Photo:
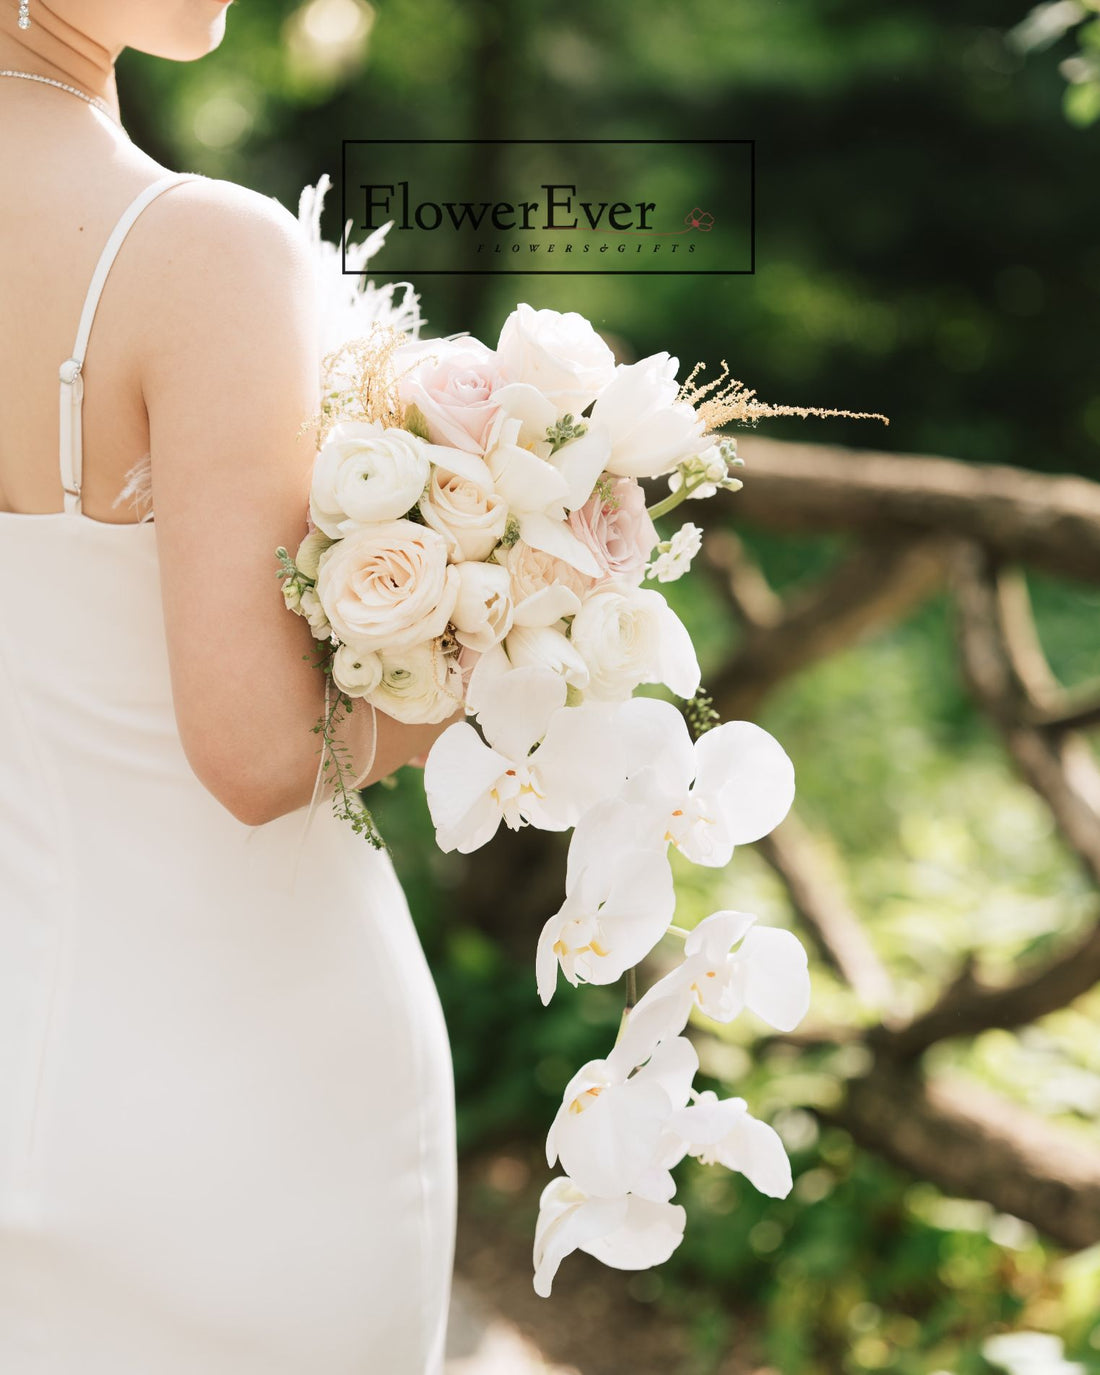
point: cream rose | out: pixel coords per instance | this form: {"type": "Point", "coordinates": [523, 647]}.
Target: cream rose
{"type": "Point", "coordinates": [464, 509]}
{"type": "Point", "coordinates": [544, 588]}
{"type": "Point", "coordinates": [451, 382]}
{"type": "Point", "coordinates": [388, 586]}
{"type": "Point", "coordinates": [559, 354]}
{"type": "Point", "coordinates": [420, 685]}
{"type": "Point", "coordinates": [482, 614]}
{"type": "Point", "coordinates": [366, 472]}
{"type": "Point", "coordinates": [356, 671]}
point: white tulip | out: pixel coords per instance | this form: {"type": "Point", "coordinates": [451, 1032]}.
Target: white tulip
{"type": "Point", "coordinates": [482, 613]}
{"type": "Point", "coordinates": [547, 647]}
{"type": "Point", "coordinates": [650, 431]}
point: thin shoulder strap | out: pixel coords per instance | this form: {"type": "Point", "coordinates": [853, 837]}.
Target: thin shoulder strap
{"type": "Point", "coordinates": [72, 382]}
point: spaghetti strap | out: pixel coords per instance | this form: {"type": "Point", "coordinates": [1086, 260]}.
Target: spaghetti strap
{"type": "Point", "coordinates": [72, 381]}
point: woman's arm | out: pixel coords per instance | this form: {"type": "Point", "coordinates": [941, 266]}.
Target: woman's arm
{"type": "Point", "coordinates": [229, 372]}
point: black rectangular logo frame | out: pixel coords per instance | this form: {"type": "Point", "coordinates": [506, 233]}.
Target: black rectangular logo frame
{"type": "Point", "coordinates": [553, 271]}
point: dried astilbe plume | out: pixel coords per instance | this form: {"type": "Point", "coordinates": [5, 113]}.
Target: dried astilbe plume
{"type": "Point", "coordinates": [724, 400]}
{"type": "Point", "coordinates": [359, 382]}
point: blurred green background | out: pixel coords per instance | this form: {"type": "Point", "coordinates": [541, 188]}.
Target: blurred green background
{"type": "Point", "coordinates": [927, 246]}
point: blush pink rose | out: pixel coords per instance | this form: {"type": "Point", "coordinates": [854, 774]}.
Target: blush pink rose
{"type": "Point", "coordinates": [617, 529]}
{"type": "Point", "coordinates": [451, 382]}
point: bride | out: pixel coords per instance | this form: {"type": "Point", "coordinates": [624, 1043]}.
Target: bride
{"type": "Point", "coordinates": [226, 1103]}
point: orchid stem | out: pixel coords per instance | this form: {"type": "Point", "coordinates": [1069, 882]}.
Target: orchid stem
{"type": "Point", "coordinates": [631, 987]}
{"type": "Point", "coordinates": [678, 930]}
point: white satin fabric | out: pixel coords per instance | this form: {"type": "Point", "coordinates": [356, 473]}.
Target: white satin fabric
{"type": "Point", "coordinates": [226, 1103]}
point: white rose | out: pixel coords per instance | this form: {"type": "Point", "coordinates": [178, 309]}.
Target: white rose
{"type": "Point", "coordinates": [310, 607]}
{"type": "Point", "coordinates": [420, 685]}
{"type": "Point", "coordinates": [560, 354]}
{"type": "Point", "coordinates": [387, 587]}
{"type": "Point", "coordinates": [482, 614]}
{"type": "Point", "coordinates": [651, 432]}
{"type": "Point", "coordinates": [547, 647]}
{"type": "Point", "coordinates": [630, 635]}
{"type": "Point", "coordinates": [366, 472]}
{"type": "Point", "coordinates": [356, 671]}
{"type": "Point", "coordinates": [465, 510]}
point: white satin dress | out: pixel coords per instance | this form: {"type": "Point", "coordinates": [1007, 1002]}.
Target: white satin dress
{"type": "Point", "coordinates": [226, 1103]}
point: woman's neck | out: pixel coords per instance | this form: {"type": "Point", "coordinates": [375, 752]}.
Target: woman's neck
{"type": "Point", "coordinates": [53, 47]}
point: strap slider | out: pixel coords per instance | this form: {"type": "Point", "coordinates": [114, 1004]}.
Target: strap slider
{"type": "Point", "coordinates": [70, 370]}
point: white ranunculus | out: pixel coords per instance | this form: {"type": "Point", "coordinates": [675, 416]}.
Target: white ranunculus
{"type": "Point", "coordinates": [482, 613]}
{"type": "Point", "coordinates": [629, 635]}
{"type": "Point", "coordinates": [626, 1232]}
{"type": "Point", "coordinates": [366, 472]}
{"type": "Point", "coordinates": [650, 431]}
{"type": "Point", "coordinates": [462, 506]}
{"type": "Point", "coordinates": [420, 686]}
{"type": "Point", "coordinates": [529, 646]}
{"type": "Point", "coordinates": [356, 671]}
{"type": "Point", "coordinates": [559, 354]}
{"type": "Point", "coordinates": [310, 607]}
{"type": "Point", "coordinates": [388, 586]}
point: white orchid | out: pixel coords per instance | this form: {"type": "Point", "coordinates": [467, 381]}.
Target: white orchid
{"type": "Point", "coordinates": [729, 788]}
{"type": "Point", "coordinates": [767, 974]}
{"type": "Point", "coordinates": [723, 1132]}
{"type": "Point", "coordinates": [611, 1132]}
{"type": "Point", "coordinates": [627, 1232]}
{"type": "Point", "coordinates": [618, 905]}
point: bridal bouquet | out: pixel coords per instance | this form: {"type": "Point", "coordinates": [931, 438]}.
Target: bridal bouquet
{"type": "Point", "coordinates": [480, 544]}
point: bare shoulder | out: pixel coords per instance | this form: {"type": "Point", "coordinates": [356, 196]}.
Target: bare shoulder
{"type": "Point", "coordinates": [223, 258]}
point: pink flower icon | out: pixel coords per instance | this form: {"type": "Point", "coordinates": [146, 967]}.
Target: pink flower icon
{"type": "Point", "coordinates": [699, 219]}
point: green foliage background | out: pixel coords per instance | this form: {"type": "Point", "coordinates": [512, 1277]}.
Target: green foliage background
{"type": "Point", "coordinates": [927, 247]}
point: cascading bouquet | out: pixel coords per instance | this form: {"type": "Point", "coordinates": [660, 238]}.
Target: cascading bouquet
{"type": "Point", "coordinates": [479, 540]}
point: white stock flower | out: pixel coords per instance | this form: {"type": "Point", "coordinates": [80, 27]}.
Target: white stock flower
{"type": "Point", "coordinates": [627, 1233]}
{"type": "Point", "coordinates": [618, 904]}
{"type": "Point", "coordinates": [712, 465]}
{"type": "Point", "coordinates": [419, 686]}
{"type": "Point", "coordinates": [309, 606]}
{"type": "Point", "coordinates": [366, 472]}
{"type": "Point", "coordinates": [650, 431]}
{"type": "Point", "coordinates": [767, 974]}
{"type": "Point", "coordinates": [482, 613]}
{"type": "Point", "coordinates": [388, 586]}
{"type": "Point", "coordinates": [355, 671]}
{"type": "Point", "coordinates": [674, 556]}
{"type": "Point", "coordinates": [559, 354]}
{"type": "Point", "coordinates": [630, 635]}
{"type": "Point", "coordinates": [460, 503]}
{"type": "Point", "coordinates": [729, 788]}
